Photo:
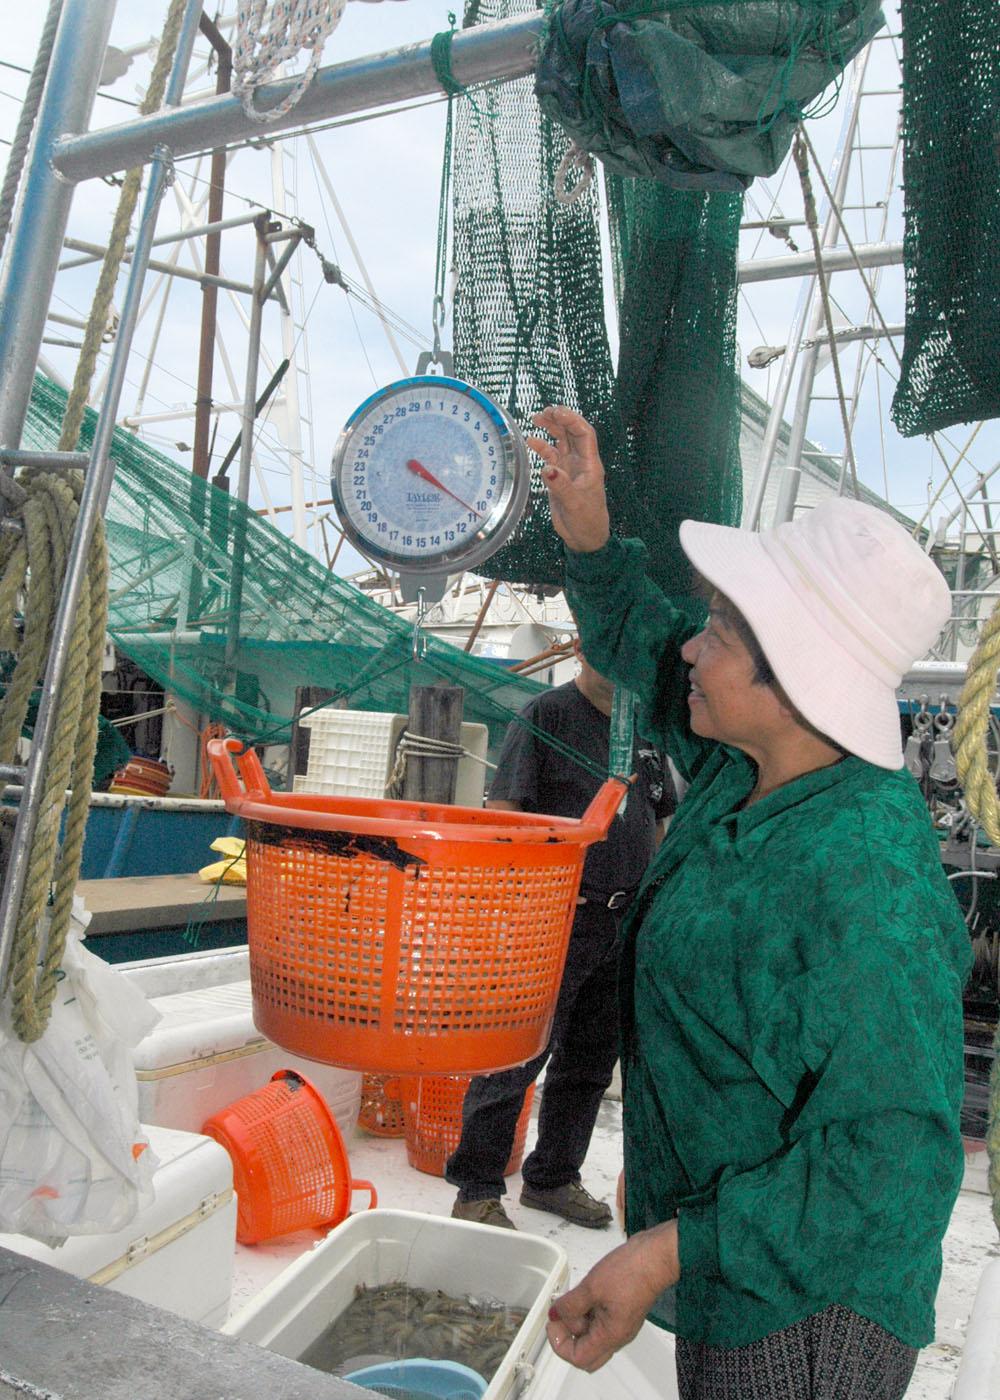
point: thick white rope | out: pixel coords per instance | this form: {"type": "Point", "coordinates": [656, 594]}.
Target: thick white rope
{"type": "Point", "coordinates": [264, 42]}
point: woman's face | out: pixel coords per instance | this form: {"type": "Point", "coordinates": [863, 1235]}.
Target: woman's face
{"type": "Point", "coordinates": [724, 701]}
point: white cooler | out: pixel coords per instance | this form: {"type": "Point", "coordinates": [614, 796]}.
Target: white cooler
{"type": "Point", "coordinates": [205, 1051]}
{"type": "Point", "coordinates": [427, 1251]}
{"type": "Point", "coordinates": [178, 1252]}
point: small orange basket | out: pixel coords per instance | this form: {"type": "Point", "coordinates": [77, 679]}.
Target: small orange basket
{"type": "Point", "coordinates": [402, 936]}
{"type": "Point", "coordinates": [290, 1168]}
{"type": "Point", "coordinates": [381, 1111]}
{"type": "Point", "coordinates": [432, 1113]}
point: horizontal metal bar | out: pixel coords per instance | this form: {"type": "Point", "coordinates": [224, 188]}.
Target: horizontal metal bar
{"type": "Point", "coordinates": [53, 461]}
{"type": "Point", "coordinates": [486, 53]}
{"type": "Point", "coordinates": [850, 333]}
{"type": "Point", "coordinates": [66, 320]}
{"type": "Point", "coordinates": [11, 771]}
{"type": "Point", "coordinates": [835, 260]}
{"type": "Point", "coordinates": [202, 230]}
{"type": "Point", "coordinates": [61, 340]}
{"type": "Point", "coordinates": [179, 415]}
{"type": "Point", "coordinates": [220, 226]}
{"type": "Point", "coordinates": [773, 223]}
{"type": "Point", "coordinates": [186, 274]}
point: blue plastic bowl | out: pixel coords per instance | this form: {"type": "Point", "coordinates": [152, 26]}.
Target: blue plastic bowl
{"type": "Point", "coordinates": [421, 1379]}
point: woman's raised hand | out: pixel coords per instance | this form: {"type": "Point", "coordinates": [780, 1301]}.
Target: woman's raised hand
{"type": "Point", "coordinates": [575, 479]}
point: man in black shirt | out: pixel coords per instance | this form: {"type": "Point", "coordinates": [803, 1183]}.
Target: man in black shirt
{"type": "Point", "coordinates": [532, 776]}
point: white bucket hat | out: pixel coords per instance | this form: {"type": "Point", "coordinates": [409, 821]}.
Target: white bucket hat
{"type": "Point", "coordinates": [842, 601]}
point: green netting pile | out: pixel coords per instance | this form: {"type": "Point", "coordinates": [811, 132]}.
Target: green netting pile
{"type": "Point", "coordinates": [173, 539]}
{"type": "Point", "coordinates": [530, 325]}
{"type": "Point", "coordinates": [951, 176]}
{"type": "Point", "coordinates": [700, 96]}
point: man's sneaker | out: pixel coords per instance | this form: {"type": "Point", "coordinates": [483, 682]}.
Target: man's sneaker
{"type": "Point", "coordinates": [572, 1201]}
{"type": "Point", "coordinates": [489, 1212]}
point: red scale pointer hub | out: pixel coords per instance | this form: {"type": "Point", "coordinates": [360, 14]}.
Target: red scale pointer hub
{"type": "Point", "coordinates": [418, 469]}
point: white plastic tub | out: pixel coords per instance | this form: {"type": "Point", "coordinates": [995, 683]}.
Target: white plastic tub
{"type": "Point", "coordinates": [427, 1251]}
{"type": "Point", "coordinates": [644, 1370]}
{"type": "Point", "coordinates": [205, 1051]}
{"type": "Point", "coordinates": [178, 1251]}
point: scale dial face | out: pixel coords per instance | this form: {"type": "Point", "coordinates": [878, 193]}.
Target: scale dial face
{"type": "Point", "coordinates": [429, 476]}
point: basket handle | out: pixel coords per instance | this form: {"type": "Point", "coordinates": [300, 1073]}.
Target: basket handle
{"type": "Point", "coordinates": [365, 1186]}
{"type": "Point", "coordinates": [255, 784]}
{"type": "Point", "coordinates": [605, 804]}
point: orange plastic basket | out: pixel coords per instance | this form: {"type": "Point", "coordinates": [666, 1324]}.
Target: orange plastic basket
{"type": "Point", "coordinates": [290, 1168]}
{"type": "Point", "coordinates": [381, 1111]}
{"type": "Point", "coordinates": [401, 936]}
{"type": "Point", "coordinates": [432, 1113]}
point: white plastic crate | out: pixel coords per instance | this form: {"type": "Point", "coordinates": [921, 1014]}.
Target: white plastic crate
{"type": "Point", "coordinates": [351, 755]}
{"type": "Point", "coordinates": [205, 1051]}
{"type": "Point", "coordinates": [178, 1252]}
{"type": "Point", "coordinates": [427, 1251]}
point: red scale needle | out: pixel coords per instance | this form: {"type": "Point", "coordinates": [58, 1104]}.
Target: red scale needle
{"type": "Point", "coordinates": [420, 470]}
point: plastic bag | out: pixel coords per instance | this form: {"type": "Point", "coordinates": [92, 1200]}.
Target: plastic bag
{"type": "Point", "coordinates": [74, 1159]}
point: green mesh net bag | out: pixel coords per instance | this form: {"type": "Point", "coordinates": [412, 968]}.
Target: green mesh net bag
{"type": "Point", "coordinates": [678, 386]}
{"type": "Point", "coordinates": [951, 176]}
{"type": "Point", "coordinates": [176, 544]}
{"type": "Point", "coordinates": [530, 329]}
{"type": "Point", "coordinates": [699, 96]}
{"type": "Point", "coordinates": [529, 325]}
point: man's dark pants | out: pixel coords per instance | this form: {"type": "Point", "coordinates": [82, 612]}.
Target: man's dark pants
{"type": "Point", "coordinates": [581, 1054]}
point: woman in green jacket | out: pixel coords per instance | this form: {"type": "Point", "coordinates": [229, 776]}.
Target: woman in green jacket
{"type": "Point", "coordinates": [792, 968]}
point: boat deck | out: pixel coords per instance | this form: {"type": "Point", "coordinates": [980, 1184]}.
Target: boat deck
{"type": "Point", "coordinates": [971, 1240]}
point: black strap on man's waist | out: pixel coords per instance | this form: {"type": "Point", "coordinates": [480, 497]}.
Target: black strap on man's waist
{"type": "Point", "coordinates": [616, 899]}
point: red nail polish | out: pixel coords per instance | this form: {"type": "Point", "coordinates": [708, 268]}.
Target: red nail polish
{"type": "Point", "coordinates": [553, 1315]}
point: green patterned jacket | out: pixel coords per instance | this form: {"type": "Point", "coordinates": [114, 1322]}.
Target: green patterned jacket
{"type": "Point", "coordinates": [792, 1016]}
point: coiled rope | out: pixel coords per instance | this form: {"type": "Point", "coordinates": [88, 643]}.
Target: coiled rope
{"type": "Point", "coordinates": [41, 508]}
{"type": "Point", "coordinates": [968, 740]}
{"type": "Point", "coordinates": [264, 43]}
{"type": "Point", "coordinates": [969, 744]}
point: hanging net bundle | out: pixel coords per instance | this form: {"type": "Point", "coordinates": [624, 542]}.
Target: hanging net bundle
{"type": "Point", "coordinates": [698, 96]}
{"type": "Point", "coordinates": [529, 325]}
{"type": "Point", "coordinates": [951, 177]}
{"type": "Point", "coordinates": [174, 544]}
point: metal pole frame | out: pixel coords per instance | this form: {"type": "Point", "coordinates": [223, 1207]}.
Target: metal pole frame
{"type": "Point", "coordinates": [29, 267]}
{"type": "Point", "coordinates": [96, 488]}
{"type": "Point", "coordinates": [772, 432]}
{"type": "Point", "coordinates": [262, 227]}
{"type": "Point", "coordinates": [487, 53]}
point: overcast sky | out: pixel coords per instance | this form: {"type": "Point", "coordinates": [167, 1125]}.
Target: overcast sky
{"type": "Point", "coordinates": [386, 173]}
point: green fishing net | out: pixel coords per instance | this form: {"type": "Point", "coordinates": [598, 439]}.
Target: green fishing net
{"type": "Point", "coordinates": [173, 541]}
{"type": "Point", "coordinates": [529, 325]}
{"type": "Point", "coordinates": [951, 176]}
{"type": "Point", "coordinates": [700, 96]}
